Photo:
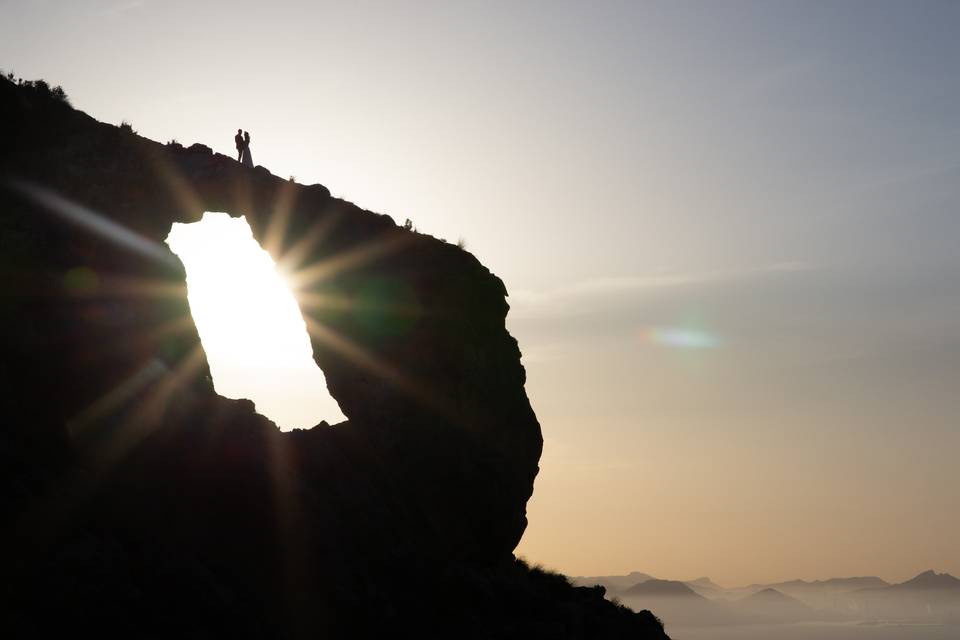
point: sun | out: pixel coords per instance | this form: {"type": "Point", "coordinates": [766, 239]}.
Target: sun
{"type": "Point", "coordinates": [249, 322]}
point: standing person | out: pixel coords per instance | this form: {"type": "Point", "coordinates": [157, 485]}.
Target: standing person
{"type": "Point", "coordinates": [247, 158]}
{"type": "Point", "coordinates": [238, 139]}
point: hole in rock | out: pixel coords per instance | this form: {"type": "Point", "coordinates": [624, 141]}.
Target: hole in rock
{"type": "Point", "coordinates": [250, 324]}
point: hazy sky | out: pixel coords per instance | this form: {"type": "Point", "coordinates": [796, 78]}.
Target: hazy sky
{"type": "Point", "coordinates": [729, 231]}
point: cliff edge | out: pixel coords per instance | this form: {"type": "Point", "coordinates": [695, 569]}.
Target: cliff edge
{"type": "Point", "coordinates": [140, 502]}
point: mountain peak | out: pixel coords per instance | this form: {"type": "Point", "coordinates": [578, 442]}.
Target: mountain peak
{"type": "Point", "coordinates": [613, 583]}
{"type": "Point", "coordinates": [769, 594]}
{"type": "Point", "coordinates": [930, 579]}
{"type": "Point", "coordinates": [655, 587]}
{"type": "Point", "coordinates": [704, 582]}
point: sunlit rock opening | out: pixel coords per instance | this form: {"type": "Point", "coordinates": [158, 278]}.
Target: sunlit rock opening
{"type": "Point", "coordinates": [249, 323]}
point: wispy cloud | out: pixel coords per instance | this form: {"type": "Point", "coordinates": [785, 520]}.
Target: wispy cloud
{"type": "Point", "coordinates": [530, 300]}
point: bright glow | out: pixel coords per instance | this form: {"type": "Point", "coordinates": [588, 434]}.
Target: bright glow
{"type": "Point", "coordinates": [249, 323]}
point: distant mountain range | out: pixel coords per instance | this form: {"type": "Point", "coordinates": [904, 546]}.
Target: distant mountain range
{"type": "Point", "coordinates": [819, 594]}
{"type": "Point", "coordinates": [833, 584]}
{"type": "Point", "coordinates": [929, 596]}
{"type": "Point", "coordinates": [674, 600]}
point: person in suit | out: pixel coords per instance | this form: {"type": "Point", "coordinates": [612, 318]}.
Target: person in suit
{"type": "Point", "coordinates": [239, 140]}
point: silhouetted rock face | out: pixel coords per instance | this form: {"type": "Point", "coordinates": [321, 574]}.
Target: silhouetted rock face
{"type": "Point", "coordinates": [127, 478]}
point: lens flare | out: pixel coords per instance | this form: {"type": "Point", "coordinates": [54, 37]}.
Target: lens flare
{"type": "Point", "coordinates": [681, 338]}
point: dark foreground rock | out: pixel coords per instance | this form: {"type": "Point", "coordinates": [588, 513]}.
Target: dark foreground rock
{"type": "Point", "coordinates": [137, 502]}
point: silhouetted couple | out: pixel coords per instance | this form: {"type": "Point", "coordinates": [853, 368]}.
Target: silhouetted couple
{"type": "Point", "coordinates": [243, 147]}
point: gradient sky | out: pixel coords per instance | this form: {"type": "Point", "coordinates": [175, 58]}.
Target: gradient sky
{"type": "Point", "coordinates": [729, 230]}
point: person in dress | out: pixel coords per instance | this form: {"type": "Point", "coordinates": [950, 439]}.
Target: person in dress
{"type": "Point", "coordinates": [247, 158]}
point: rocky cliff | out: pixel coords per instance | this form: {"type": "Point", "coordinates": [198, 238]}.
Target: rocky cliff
{"type": "Point", "coordinates": [138, 500]}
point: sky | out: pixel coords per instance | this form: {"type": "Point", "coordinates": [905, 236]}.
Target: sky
{"type": "Point", "coordinates": [252, 331]}
{"type": "Point", "coordinates": [728, 230]}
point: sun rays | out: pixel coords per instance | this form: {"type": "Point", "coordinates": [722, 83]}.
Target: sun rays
{"type": "Point", "coordinates": [132, 313]}
{"type": "Point", "coordinates": [295, 256]}
{"type": "Point", "coordinates": [250, 324]}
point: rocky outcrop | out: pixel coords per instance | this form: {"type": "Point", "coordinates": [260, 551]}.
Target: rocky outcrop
{"type": "Point", "coordinates": [125, 474]}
